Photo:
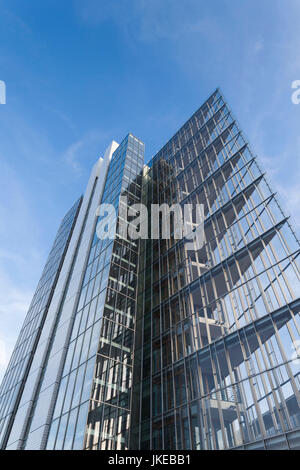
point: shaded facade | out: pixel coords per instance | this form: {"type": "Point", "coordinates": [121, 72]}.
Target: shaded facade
{"type": "Point", "coordinates": [14, 385]}
{"type": "Point", "coordinates": [146, 344]}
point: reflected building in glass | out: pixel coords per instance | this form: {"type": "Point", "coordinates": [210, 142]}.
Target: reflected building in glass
{"type": "Point", "coordinates": [146, 344]}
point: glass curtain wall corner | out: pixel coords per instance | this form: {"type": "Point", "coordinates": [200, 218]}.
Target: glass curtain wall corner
{"type": "Point", "coordinates": [216, 328]}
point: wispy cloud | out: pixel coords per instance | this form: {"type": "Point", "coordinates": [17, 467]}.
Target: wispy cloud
{"type": "Point", "coordinates": [259, 45]}
{"type": "Point", "coordinates": [14, 302]}
{"type": "Point", "coordinates": [71, 156]}
{"type": "Point", "coordinates": [88, 146]}
{"type": "Point", "coordinates": [21, 258]}
{"type": "Point", "coordinates": [150, 21]}
{"type": "Point", "coordinates": [290, 194]}
{"type": "Point", "coordinates": [284, 183]}
{"type": "Point", "coordinates": [64, 118]}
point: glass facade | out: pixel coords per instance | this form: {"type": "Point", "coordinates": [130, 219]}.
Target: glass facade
{"type": "Point", "coordinates": [202, 342]}
{"type": "Point", "coordinates": [13, 383]}
{"type": "Point", "coordinates": [95, 385]}
{"type": "Point", "coordinates": [214, 365]}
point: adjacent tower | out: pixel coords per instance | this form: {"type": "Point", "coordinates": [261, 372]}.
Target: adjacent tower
{"type": "Point", "coordinates": [68, 384]}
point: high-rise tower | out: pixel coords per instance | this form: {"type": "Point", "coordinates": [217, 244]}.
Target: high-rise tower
{"type": "Point", "coordinates": [146, 344]}
{"type": "Point", "coordinates": [217, 328]}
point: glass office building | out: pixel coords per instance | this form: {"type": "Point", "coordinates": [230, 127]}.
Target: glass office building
{"type": "Point", "coordinates": [146, 344]}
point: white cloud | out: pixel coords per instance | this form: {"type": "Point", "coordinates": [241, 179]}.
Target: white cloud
{"type": "Point", "coordinates": [3, 355]}
{"type": "Point", "coordinates": [284, 181]}
{"type": "Point", "coordinates": [87, 146]}
{"type": "Point", "coordinates": [259, 45]}
{"type": "Point", "coordinates": [290, 194]}
{"type": "Point", "coordinates": [21, 258]}
{"type": "Point", "coordinates": [71, 156]}
{"type": "Point", "coordinates": [14, 303]}
{"type": "Point", "coordinates": [149, 21]}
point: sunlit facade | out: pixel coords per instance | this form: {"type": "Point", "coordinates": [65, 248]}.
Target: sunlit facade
{"type": "Point", "coordinates": [74, 391]}
{"type": "Point", "coordinates": [145, 344]}
{"type": "Point", "coordinates": [217, 328]}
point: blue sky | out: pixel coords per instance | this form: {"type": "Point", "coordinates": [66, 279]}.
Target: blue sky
{"type": "Point", "coordinates": [81, 73]}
